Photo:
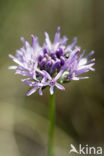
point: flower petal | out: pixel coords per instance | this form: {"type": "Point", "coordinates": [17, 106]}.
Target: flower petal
{"type": "Point", "coordinates": [58, 75]}
{"type": "Point", "coordinates": [47, 40]}
{"type": "Point", "coordinates": [78, 78]}
{"type": "Point", "coordinates": [82, 62]}
{"type": "Point", "coordinates": [51, 90]}
{"type": "Point", "coordinates": [90, 54]}
{"type": "Point", "coordinates": [35, 43]}
{"type": "Point", "coordinates": [59, 86]}
{"type": "Point", "coordinates": [40, 91]}
{"type": "Point", "coordinates": [69, 47]}
{"type": "Point", "coordinates": [32, 91]}
{"type": "Point", "coordinates": [47, 75]}
{"type": "Point", "coordinates": [16, 60]}
{"type": "Point", "coordinates": [12, 67]}
{"type": "Point", "coordinates": [57, 35]}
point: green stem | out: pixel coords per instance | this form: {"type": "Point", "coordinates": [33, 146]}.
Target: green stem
{"type": "Point", "coordinates": [51, 125]}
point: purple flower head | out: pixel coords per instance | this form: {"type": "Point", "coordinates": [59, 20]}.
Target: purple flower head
{"type": "Point", "coordinates": [52, 64]}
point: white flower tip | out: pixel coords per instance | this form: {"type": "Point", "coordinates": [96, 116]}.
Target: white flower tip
{"type": "Point", "coordinates": [11, 56]}
{"type": "Point", "coordinates": [32, 35]}
{"type": "Point", "coordinates": [92, 69]}
{"type": "Point", "coordinates": [22, 39]}
{"type": "Point", "coordinates": [51, 93]}
{"type": "Point", "coordinates": [86, 77]}
{"type": "Point", "coordinates": [45, 33]}
{"type": "Point", "coordinates": [12, 67]}
{"type": "Point", "coordinates": [78, 49]}
{"type": "Point", "coordinates": [51, 90]}
{"type": "Point", "coordinates": [22, 80]}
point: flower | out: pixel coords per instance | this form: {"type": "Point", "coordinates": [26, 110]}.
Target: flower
{"type": "Point", "coordinates": [52, 64]}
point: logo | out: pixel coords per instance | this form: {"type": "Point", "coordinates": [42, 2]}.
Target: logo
{"type": "Point", "coordinates": [85, 149]}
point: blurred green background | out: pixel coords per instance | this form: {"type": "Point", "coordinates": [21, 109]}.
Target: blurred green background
{"type": "Point", "coordinates": [80, 109]}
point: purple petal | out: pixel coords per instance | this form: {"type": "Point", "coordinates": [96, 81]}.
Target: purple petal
{"type": "Point", "coordinates": [81, 55]}
{"type": "Point", "coordinates": [40, 91]}
{"type": "Point", "coordinates": [27, 45]}
{"type": "Point", "coordinates": [57, 35]}
{"type": "Point", "coordinates": [92, 60]}
{"type": "Point", "coordinates": [35, 43]}
{"type": "Point", "coordinates": [92, 69]}
{"type": "Point", "coordinates": [90, 54]}
{"type": "Point", "coordinates": [30, 83]}
{"type": "Point", "coordinates": [58, 75]}
{"type": "Point", "coordinates": [64, 40]}
{"type": "Point", "coordinates": [23, 40]}
{"type": "Point", "coordinates": [47, 40]}
{"type": "Point", "coordinates": [41, 73]}
{"type": "Point", "coordinates": [19, 52]}
{"type": "Point", "coordinates": [47, 75]}
{"type": "Point", "coordinates": [81, 71]}
{"type": "Point", "coordinates": [72, 44]}
{"type": "Point", "coordinates": [59, 86]}
{"type": "Point", "coordinates": [32, 91]}
{"type": "Point", "coordinates": [23, 73]}
{"type": "Point", "coordinates": [46, 83]}
{"type": "Point", "coordinates": [16, 60]}
{"type": "Point", "coordinates": [43, 80]}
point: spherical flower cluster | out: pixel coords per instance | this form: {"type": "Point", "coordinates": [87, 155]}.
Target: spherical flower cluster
{"type": "Point", "coordinates": [52, 64]}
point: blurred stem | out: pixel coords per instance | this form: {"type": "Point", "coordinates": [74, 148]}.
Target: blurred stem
{"type": "Point", "coordinates": [51, 125]}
